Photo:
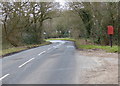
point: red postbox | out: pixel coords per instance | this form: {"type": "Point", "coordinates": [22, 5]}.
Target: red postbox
{"type": "Point", "coordinates": [110, 30]}
{"type": "Point", "coordinates": [110, 33]}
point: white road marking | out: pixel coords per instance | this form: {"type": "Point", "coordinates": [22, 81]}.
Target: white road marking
{"type": "Point", "coordinates": [70, 46]}
{"type": "Point", "coordinates": [25, 63]}
{"type": "Point", "coordinates": [56, 46]}
{"type": "Point", "coordinates": [49, 48]}
{"type": "Point", "coordinates": [4, 76]}
{"type": "Point", "coordinates": [41, 52]}
{"type": "Point", "coordinates": [60, 44]}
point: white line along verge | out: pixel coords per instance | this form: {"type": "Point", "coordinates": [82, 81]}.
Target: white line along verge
{"type": "Point", "coordinates": [41, 52]}
{"type": "Point", "coordinates": [4, 76]}
{"type": "Point", "coordinates": [25, 63]}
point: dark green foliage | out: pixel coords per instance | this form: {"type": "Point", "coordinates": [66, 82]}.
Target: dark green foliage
{"type": "Point", "coordinates": [96, 17]}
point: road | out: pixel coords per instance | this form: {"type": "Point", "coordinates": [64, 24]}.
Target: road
{"type": "Point", "coordinates": [57, 63]}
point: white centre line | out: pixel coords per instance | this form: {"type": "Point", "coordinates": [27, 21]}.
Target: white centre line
{"type": "Point", "coordinates": [55, 46]}
{"type": "Point", "coordinates": [49, 48]}
{"type": "Point", "coordinates": [4, 76]}
{"type": "Point", "coordinates": [41, 52]}
{"type": "Point", "coordinates": [25, 63]}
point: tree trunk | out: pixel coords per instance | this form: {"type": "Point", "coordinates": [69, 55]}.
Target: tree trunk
{"type": "Point", "coordinates": [11, 42]}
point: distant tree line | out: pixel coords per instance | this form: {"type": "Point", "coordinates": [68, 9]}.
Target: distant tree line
{"type": "Point", "coordinates": [31, 22]}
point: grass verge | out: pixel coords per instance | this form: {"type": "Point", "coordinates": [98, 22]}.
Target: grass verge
{"type": "Point", "coordinates": [113, 49]}
{"type": "Point", "coordinates": [66, 39]}
{"type": "Point", "coordinates": [13, 50]}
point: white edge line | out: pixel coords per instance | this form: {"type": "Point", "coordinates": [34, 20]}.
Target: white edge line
{"type": "Point", "coordinates": [4, 76]}
{"type": "Point", "coordinates": [26, 62]}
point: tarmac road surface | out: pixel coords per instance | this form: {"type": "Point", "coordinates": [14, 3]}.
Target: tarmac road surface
{"type": "Point", "coordinates": [56, 63]}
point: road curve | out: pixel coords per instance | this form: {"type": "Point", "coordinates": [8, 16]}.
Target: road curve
{"type": "Point", "coordinates": [56, 63]}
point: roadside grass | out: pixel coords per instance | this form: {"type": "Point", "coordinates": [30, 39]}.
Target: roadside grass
{"type": "Point", "coordinates": [66, 39]}
{"type": "Point", "coordinates": [113, 49]}
{"type": "Point", "coordinates": [13, 50]}
{"type": "Point", "coordinates": [107, 48]}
